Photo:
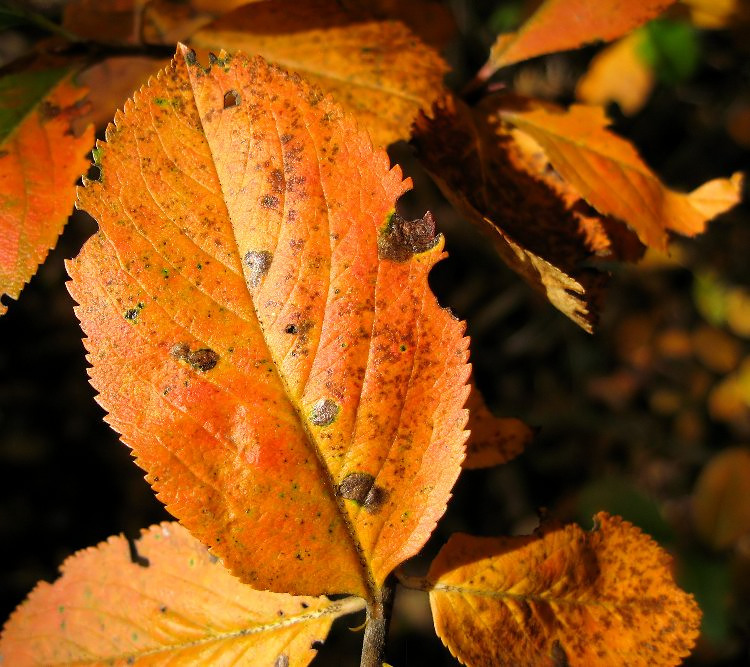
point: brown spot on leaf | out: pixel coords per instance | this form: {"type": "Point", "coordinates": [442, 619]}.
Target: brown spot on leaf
{"type": "Point", "coordinates": [180, 351]}
{"type": "Point", "coordinates": [400, 238]}
{"type": "Point", "coordinates": [276, 181]}
{"type": "Point", "coordinates": [361, 488]}
{"type": "Point", "coordinates": [375, 499]}
{"type": "Point", "coordinates": [202, 360]}
{"type": "Point", "coordinates": [269, 201]}
{"type": "Point", "coordinates": [291, 329]}
{"type": "Point", "coordinates": [48, 110]}
{"type": "Point", "coordinates": [258, 262]}
{"type": "Point", "coordinates": [231, 99]}
{"type": "Point", "coordinates": [355, 486]}
{"type": "Point", "coordinates": [324, 412]}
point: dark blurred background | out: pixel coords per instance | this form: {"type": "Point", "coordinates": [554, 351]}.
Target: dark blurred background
{"type": "Point", "coordinates": [649, 418]}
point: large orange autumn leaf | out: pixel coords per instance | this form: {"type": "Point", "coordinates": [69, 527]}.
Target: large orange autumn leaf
{"type": "Point", "coordinates": [261, 330]}
{"type": "Point", "coordinates": [40, 160]}
{"type": "Point", "coordinates": [561, 597]}
{"type": "Point", "coordinates": [173, 603]}
{"type": "Point", "coordinates": [559, 25]}
{"type": "Point", "coordinates": [376, 68]}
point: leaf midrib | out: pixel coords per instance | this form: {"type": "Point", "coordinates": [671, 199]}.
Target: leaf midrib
{"type": "Point", "coordinates": [336, 608]}
{"type": "Point", "coordinates": [367, 577]}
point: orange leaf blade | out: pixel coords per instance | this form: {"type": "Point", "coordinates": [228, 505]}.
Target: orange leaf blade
{"type": "Point", "coordinates": [559, 25]}
{"type": "Point", "coordinates": [261, 330]}
{"type": "Point", "coordinates": [40, 161]}
{"type": "Point", "coordinates": [177, 604]}
{"type": "Point", "coordinates": [562, 596]}
{"type": "Point", "coordinates": [608, 173]}
{"type": "Point", "coordinates": [376, 69]}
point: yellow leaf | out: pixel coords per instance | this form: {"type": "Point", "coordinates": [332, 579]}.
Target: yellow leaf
{"type": "Point", "coordinates": [562, 597]}
{"type": "Point", "coordinates": [171, 602]}
{"type": "Point", "coordinates": [618, 74]}
{"type": "Point", "coordinates": [720, 501]}
{"type": "Point", "coordinates": [608, 173]}
{"type": "Point", "coordinates": [376, 69]}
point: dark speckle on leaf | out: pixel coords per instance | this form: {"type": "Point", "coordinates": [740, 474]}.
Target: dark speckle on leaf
{"type": "Point", "coordinates": [400, 238]}
{"type": "Point", "coordinates": [361, 488]}
{"type": "Point", "coordinates": [190, 57]}
{"type": "Point", "coordinates": [258, 262]}
{"type": "Point", "coordinates": [324, 412]}
{"type": "Point", "coordinates": [269, 201]}
{"type": "Point", "coordinates": [202, 360]}
{"type": "Point", "coordinates": [375, 499]}
{"type": "Point", "coordinates": [291, 329]}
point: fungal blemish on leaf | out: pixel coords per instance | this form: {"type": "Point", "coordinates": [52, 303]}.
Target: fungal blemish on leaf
{"type": "Point", "coordinates": [399, 239]}
{"type": "Point", "coordinates": [180, 351]}
{"type": "Point", "coordinates": [231, 98]}
{"type": "Point", "coordinates": [291, 329]}
{"type": "Point", "coordinates": [361, 488]}
{"type": "Point", "coordinates": [202, 360]}
{"type": "Point", "coordinates": [131, 314]}
{"type": "Point", "coordinates": [375, 499]}
{"type": "Point", "coordinates": [258, 262]}
{"type": "Point", "coordinates": [282, 661]}
{"type": "Point", "coordinates": [190, 57]}
{"type": "Point", "coordinates": [269, 201]}
{"type": "Point", "coordinates": [355, 486]}
{"type": "Point", "coordinates": [324, 412]}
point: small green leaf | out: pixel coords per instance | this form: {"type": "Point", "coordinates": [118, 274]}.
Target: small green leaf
{"type": "Point", "coordinates": [672, 48]}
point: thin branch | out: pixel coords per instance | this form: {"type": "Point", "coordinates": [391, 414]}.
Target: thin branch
{"type": "Point", "coordinates": [376, 628]}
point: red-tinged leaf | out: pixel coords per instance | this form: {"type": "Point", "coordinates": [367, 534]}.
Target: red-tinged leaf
{"type": "Point", "coordinates": [40, 160]}
{"type": "Point", "coordinates": [492, 440]}
{"type": "Point", "coordinates": [174, 603]}
{"type": "Point", "coordinates": [538, 230]}
{"type": "Point", "coordinates": [608, 173]}
{"type": "Point", "coordinates": [562, 597]}
{"type": "Point", "coordinates": [559, 25]}
{"type": "Point", "coordinates": [376, 69]}
{"type": "Point", "coordinates": [261, 329]}
{"type": "Point", "coordinates": [112, 81]}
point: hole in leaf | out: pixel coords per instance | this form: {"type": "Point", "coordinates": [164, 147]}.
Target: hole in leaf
{"type": "Point", "coordinates": [231, 99]}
